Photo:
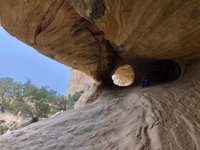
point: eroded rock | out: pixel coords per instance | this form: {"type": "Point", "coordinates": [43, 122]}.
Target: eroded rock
{"type": "Point", "coordinates": [85, 34]}
{"type": "Point", "coordinates": [95, 36]}
{"type": "Point", "coordinates": [123, 76]}
{"type": "Point", "coordinates": [160, 117]}
{"type": "Point", "coordinates": [92, 10]}
{"type": "Point", "coordinates": [153, 29]}
{"type": "Point", "coordinates": [56, 30]}
{"type": "Point", "coordinates": [79, 82]}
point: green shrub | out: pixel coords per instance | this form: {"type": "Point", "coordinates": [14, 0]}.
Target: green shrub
{"type": "Point", "coordinates": [29, 101]}
{"type": "Point", "coordinates": [13, 107]}
{"type": "Point", "coordinates": [3, 129]}
{"type": "Point", "coordinates": [72, 99]}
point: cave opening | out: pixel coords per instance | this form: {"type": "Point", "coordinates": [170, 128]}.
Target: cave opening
{"type": "Point", "coordinates": [157, 71]}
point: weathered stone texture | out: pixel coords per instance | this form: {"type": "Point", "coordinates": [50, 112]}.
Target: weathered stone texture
{"type": "Point", "coordinates": [164, 117]}
{"type": "Point", "coordinates": [56, 30]}
{"type": "Point", "coordinates": [97, 36]}
{"type": "Point", "coordinates": [153, 29]}
{"type": "Point", "coordinates": [123, 75]}
{"type": "Point", "coordinates": [79, 82]}
{"type": "Point", "coordinates": [74, 32]}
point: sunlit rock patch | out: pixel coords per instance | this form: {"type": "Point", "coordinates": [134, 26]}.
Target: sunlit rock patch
{"type": "Point", "coordinates": [123, 76]}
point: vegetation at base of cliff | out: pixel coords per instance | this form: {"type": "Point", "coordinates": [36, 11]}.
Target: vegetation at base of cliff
{"type": "Point", "coordinates": [63, 103]}
{"type": "Point", "coordinates": [3, 129]}
{"type": "Point", "coordinates": [29, 101]}
{"type": "Point", "coordinates": [72, 99]}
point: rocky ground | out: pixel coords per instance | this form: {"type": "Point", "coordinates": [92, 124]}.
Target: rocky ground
{"type": "Point", "coordinates": [12, 122]}
{"type": "Point", "coordinates": [8, 119]}
{"type": "Point", "coordinates": [165, 116]}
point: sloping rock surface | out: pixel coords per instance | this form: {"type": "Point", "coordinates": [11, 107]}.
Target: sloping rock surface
{"type": "Point", "coordinates": [160, 117]}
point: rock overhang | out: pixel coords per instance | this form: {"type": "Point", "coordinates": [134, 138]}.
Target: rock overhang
{"type": "Point", "coordinates": [97, 36]}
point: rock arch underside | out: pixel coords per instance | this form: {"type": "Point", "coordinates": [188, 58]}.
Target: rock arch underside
{"type": "Point", "coordinates": [158, 38]}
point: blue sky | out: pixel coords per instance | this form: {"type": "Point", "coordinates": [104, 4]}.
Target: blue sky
{"type": "Point", "coordinates": [20, 61]}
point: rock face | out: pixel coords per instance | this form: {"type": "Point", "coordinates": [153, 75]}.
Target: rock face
{"type": "Point", "coordinates": [123, 76]}
{"type": "Point", "coordinates": [98, 36]}
{"type": "Point", "coordinates": [8, 120]}
{"type": "Point", "coordinates": [79, 82]}
{"type": "Point", "coordinates": [148, 29]}
{"type": "Point", "coordinates": [59, 32]}
{"type": "Point", "coordinates": [95, 36]}
{"type": "Point", "coordinates": [164, 117]}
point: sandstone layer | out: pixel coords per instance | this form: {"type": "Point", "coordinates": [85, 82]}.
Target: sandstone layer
{"type": "Point", "coordinates": [96, 36]}
{"type": "Point", "coordinates": [147, 29]}
{"type": "Point", "coordinates": [123, 76]}
{"type": "Point", "coordinates": [79, 82]}
{"type": "Point", "coordinates": [161, 117]}
{"type": "Point", "coordinates": [56, 30]}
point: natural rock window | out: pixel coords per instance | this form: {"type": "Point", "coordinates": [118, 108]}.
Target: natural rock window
{"type": "Point", "coordinates": [123, 76]}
